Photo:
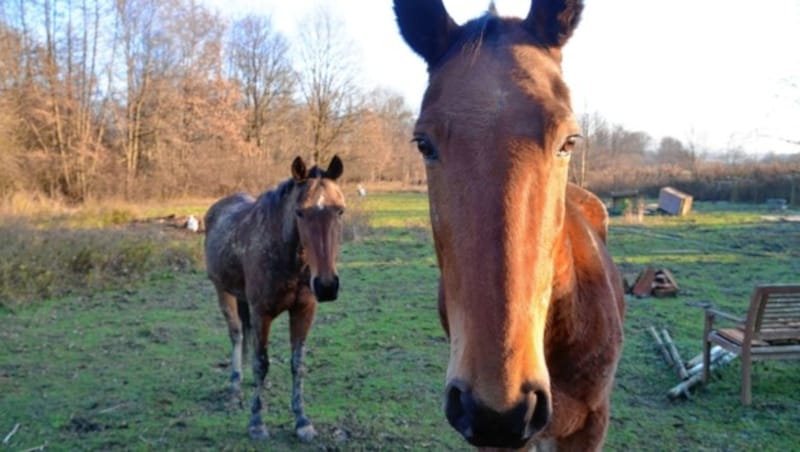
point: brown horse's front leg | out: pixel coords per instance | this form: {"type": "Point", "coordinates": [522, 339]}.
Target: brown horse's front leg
{"type": "Point", "coordinates": [301, 318]}
{"type": "Point", "coordinates": [591, 436]}
{"type": "Point", "coordinates": [261, 324]}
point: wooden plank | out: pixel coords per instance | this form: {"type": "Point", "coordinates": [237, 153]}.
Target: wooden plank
{"type": "Point", "coordinates": [789, 350]}
{"type": "Point", "coordinates": [643, 286]}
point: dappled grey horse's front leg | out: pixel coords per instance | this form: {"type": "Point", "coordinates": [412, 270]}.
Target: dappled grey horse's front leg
{"type": "Point", "coordinates": [256, 428]}
{"type": "Point", "coordinates": [300, 319]}
{"type": "Point", "coordinates": [303, 427]}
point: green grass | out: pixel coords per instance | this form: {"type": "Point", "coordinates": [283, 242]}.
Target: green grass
{"type": "Point", "coordinates": [139, 362]}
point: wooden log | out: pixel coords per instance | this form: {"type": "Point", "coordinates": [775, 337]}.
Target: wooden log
{"type": "Point", "coordinates": [716, 354]}
{"type": "Point", "coordinates": [682, 388]}
{"type": "Point", "coordinates": [11, 433]}
{"type": "Point", "coordinates": [699, 358]}
{"type": "Point", "coordinates": [676, 357]}
{"type": "Point", "coordinates": [663, 348]}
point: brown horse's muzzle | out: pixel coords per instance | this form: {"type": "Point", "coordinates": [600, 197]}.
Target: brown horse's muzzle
{"type": "Point", "coordinates": [484, 427]}
{"type": "Point", "coordinates": [326, 289]}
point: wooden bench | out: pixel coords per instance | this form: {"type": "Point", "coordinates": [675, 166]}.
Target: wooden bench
{"type": "Point", "coordinates": [770, 331]}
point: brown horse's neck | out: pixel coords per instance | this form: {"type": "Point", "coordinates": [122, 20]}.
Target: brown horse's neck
{"type": "Point", "coordinates": [565, 288]}
{"type": "Point", "coordinates": [581, 278]}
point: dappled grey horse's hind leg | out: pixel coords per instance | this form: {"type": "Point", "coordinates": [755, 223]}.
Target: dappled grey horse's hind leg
{"type": "Point", "coordinates": [300, 323]}
{"type": "Point", "coordinates": [228, 305]}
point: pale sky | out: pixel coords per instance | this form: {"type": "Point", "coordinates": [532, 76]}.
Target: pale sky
{"type": "Point", "coordinates": [722, 73]}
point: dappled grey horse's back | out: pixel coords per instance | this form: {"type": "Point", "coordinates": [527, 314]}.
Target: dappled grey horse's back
{"type": "Point", "coordinates": [221, 225]}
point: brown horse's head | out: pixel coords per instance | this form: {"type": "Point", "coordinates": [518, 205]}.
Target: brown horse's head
{"type": "Point", "coordinates": [496, 130]}
{"type": "Point", "coordinates": [318, 215]}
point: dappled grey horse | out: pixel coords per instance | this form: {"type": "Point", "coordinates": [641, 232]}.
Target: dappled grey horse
{"type": "Point", "coordinates": [273, 254]}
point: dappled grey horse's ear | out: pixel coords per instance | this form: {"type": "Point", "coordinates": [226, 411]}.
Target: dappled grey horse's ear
{"type": "Point", "coordinates": [426, 26]}
{"type": "Point", "coordinates": [299, 172]}
{"type": "Point", "coordinates": [553, 21]}
{"type": "Point", "coordinates": [335, 168]}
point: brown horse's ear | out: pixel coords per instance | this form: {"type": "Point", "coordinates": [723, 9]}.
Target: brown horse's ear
{"type": "Point", "coordinates": [553, 21]}
{"type": "Point", "coordinates": [299, 172]}
{"type": "Point", "coordinates": [335, 168]}
{"type": "Point", "coordinates": [426, 26]}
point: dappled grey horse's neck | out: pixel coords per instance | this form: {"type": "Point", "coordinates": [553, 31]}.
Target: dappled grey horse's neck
{"type": "Point", "coordinates": [274, 212]}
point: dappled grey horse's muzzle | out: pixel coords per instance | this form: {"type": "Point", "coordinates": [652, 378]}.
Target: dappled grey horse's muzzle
{"type": "Point", "coordinates": [326, 290]}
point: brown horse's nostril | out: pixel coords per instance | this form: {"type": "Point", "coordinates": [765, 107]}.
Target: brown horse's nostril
{"type": "Point", "coordinates": [483, 427]}
{"type": "Point", "coordinates": [541, 411]}
{"type": "Point", "coordinates": [326, 290]}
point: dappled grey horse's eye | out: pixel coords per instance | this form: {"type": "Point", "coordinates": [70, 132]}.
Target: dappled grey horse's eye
{"type": "Point", "coordinates": [299, 213]}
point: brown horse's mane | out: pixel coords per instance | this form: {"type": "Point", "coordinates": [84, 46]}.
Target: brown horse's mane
{"type": "Point", "coordinates": [487, 29]}
{"type": "Point", "coordinates": [483, 30]}
{"type": "Point", "coordinates": [471, 36]}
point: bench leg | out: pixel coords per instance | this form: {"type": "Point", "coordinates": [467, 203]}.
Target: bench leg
{"type": "Point", "coordinates": [747, 370]}
{"type": "Point", "coordinates": [707, 347]}
{"type": "Point", "coordinates": [706, 359]}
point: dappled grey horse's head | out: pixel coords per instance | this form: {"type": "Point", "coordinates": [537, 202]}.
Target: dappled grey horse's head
{"type": "Point", "coordinates": [317, 213]}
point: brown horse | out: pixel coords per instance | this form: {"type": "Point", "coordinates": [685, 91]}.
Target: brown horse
{"type": "Point", "coordinates": [273, 254]}
{"type": "Point", "coordinates": [528, 295]}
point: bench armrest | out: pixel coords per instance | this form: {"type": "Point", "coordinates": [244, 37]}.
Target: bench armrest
{"type": "Point", "coordinates": [711, 313]}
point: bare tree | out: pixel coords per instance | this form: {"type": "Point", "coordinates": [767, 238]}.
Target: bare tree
{"type": "Point", "coordinates": [695, 145]}
{"type": "Point", "coordinates": [593, 130]}
{"type": "Point", "coordinates": [197, 117]}
{"type": "Point", "coordinates": [379, 148]}
{"type": "Point", "coordinates": [136, 19]}
{"type": "Point", "coordinates": [671, 151]}
{"type": "Point", "coordinates": [328, 87]}
{"type": "Point", "coordinates": [258, 60]}
{"type": "Point", "coordinates": [11, 48]}
{"type": "Point", "coordinates": [56, 91]}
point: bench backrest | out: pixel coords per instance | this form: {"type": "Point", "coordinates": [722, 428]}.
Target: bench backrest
{"type": "Point", "coordinates": [774, 314]}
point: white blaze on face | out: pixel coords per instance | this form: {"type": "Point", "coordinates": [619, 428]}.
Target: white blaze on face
{"type": "Point", "coordinates": [321, 201]}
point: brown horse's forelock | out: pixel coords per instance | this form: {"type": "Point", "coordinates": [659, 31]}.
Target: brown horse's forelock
{"type": "Point", "coordinates": [486, 30]}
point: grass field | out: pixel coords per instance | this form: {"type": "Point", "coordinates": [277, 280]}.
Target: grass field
{"type": "Point", "coordinates": [124, 348]}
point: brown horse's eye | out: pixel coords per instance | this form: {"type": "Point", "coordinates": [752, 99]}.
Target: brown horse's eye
{"type": "Point", "coordinates": [426, 147]}
{"type": "Point", "coordinates": [568, 146]}
{"type": "Point", "coordinates": [340, 211]}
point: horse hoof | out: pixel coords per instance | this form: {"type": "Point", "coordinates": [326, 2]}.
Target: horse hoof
{"type": "Point", "coordinates": [258, 432]}
{"type": "Point", "coordinates": [306, 433]}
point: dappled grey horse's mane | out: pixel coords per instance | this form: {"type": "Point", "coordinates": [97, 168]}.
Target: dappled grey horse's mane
{"type": "Point", "coordinates": [275, 196]}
